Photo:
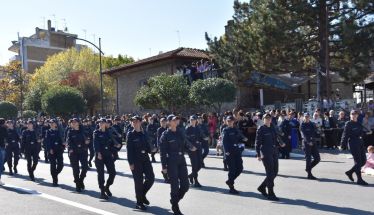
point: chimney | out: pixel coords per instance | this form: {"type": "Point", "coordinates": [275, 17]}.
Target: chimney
{"type": "Point", "coordinates": [49, 25]}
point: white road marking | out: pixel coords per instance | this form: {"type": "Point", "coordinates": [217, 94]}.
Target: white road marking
{"type": "Point", "coordinates": [60, 200]}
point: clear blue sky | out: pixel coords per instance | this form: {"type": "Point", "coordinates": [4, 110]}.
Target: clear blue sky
{"type": "Point", "coordinates": [131, 27]}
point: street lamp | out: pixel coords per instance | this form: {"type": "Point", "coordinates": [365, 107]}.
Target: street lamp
{"type": "Point", "coordinates": [101, 68]}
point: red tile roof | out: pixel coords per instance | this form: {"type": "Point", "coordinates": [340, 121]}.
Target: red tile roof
{"type": "Point", "coordinates": [177, 53]}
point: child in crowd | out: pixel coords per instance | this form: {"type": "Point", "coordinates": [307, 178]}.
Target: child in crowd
{"type": "Point", "coordinates": [369, 165]}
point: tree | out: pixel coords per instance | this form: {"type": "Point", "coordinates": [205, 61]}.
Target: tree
{"type": "Point", "coordinates": [29, 114]}
{"type": "Point", "coordinates": [76, 69]}
{"type": "Point", "coordinates": [212, 92]}
{"type": "Point", "coordinates": [33, 98]}
{"type": "Point", "coordinates": [146, 98]}
{"type": "Point", "coordinates": [13, 83]}
{"type": "Point", "coordinates": [63, 101]}
{"type": "Point", "coordinates": [169, 92]}
{"type": "Point", "coordinates": [295, 36]}
{"type": "Point", "coordinates": [8, 110]}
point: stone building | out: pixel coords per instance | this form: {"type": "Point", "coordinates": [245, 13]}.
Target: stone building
{"type": "Point", "coordinates": [130, 77]}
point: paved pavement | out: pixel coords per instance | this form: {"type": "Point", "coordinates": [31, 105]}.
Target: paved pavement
{"type": "Point", "coordinates": [332, 194]}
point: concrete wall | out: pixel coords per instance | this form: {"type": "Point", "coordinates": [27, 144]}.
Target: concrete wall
{"type": "Point", "coordinates": [130, 81]}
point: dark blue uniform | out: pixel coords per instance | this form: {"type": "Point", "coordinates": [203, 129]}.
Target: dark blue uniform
{"type": "Point", "coordinates": [195, 137]}
{"type": "Point", "coordinates": [103, 144]}
{"type": "Point", "coordinates": [53, 142]}
{"type": "Point", "coordinates": [267, 147]}
{"type": "Point", "coordinates": [138, 149]}
{"type": "Point", "coordinates": [353, 137]}
{"type": "Point", "coordinates": [160, 130]}
{"type": "Point", "coordinates": [204, 142]}
{"type": "Point", "coordinates": [12, 150]}
{"type": "Point", "coordinates": [308, 133]}
{"type": "Point", "coordinates": [233, 154]}
{"type": "Point", "coordinates": [77, 148]}
{"type": "Point", "coordinates": [172, 148]}
{"type": "Point", "coordinates": [117, 136]}
{"type": "Point", "coordinates": [31, 146]}
{"type": "Point", "coordinates": [151, 132]}
{"type": "Point", "coordinates": [88, 132]}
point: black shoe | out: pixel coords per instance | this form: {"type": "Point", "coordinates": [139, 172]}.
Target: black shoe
{"type": "Point", "coordinates": [262, 190]}
{"type": "Point", "coordinates": [90, 164]}
{"type": "Point", "coordinates": [234, 191]}
{"type": "Point", "coordinates": [32, 177]}
{"type": "Point", "coordinates": [15, 170]}
{"type": "Point", "coordinates": [202, 165]}
{"type": "Point", "coordinates": [175, 209]}
{"type": "Point", "coordinates": [154, 160]}
{"type": "Point", "coordinates": [140, 206]}
{"type": "Point", "coordinates": [311, 177]}
{"type": "Point", "coordinates": [190, 178]}
{"type": "Point", "coordinates": [107, 191]}
{"type": "Point", "coordinates": [46, 161]}
{"type": "Point", "coordinates": [350, 176]}
{"type": "Point", "coordinates": [145, 200]}
{"type": "Point", "coordinates": [225, 169]}
{"type": "Point", "coordinates": [362, 182]}
{"type": "Point", "coordinates": [55, 182]}
{"type": "Point", "coordinates": [78, 188]}
{"type": "Point", "coordinates": [273, 197]}
{"type": "Point", "coordinates": [103, 195]}
{"type": "Point", "coordinates": [197, 184]}
{"type": "Point", "coordinates": [81, 184]}
{"type": "Point", "coordinates": [10, 172]}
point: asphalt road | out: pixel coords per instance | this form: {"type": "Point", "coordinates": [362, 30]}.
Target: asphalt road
{"type": "Point", "coordinates": [332, 194]}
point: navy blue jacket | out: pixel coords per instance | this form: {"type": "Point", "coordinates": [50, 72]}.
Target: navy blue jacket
{"type": "Point", "coordinates": [53, 141]}
{"type": "Point", "coordinates": [160, 130]}
{"type": "Point", "coordinates": [76, 140]}
{"type": "Point", "coordinates": [138, 147]}
{"type": "Point", "coordinates": [308, 131]}
{"type": "Point", "coordinates": [230, 139]}
{"type": "Point", "coordinates": [29, 140]}
{"type": "Point", "coordinates": [102, 142]}
{"type": "Point", "coordinates": [266, 140]}
{"type": "Point", "coordinates": [173, 145]}
{"type": "Point", "coordinates": [352, 136]}
{"type": "Point", "coordinates": [194, 136]}
{"type": "Point", "coordinates": [12, 138]}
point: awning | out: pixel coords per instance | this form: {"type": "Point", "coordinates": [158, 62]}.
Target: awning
{"type": "Point", "coordinates": [285, 81]}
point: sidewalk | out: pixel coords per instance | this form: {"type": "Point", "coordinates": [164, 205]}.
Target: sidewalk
{"type": "Point", "coordinates": [252, 153]}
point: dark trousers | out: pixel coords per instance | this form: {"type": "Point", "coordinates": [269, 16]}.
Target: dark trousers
{"type": "Point", "coordinates": [108, 162]}
{"type": "Point", "coordinates": [330, 138]}
{"type": "Point", "coordinates": [75, 159]}
{"type": "Point", "coordinates": [57, 163]}
{"type": "Point", "coordinates": [270, 162]}
{"type": "Point", "coordinates": [196, 161]}
{"type": "Point", "coordinates": [235, 164]}
{"type": "Point", "coordinates": [144, 178]}
{"type": "Point", "coordinates": [92, 152]}
{"type": "Point", "coordinates": [46, 157]}
{"type": "Point", "coordinates": [32, 157]}
{"type": "Point", "coordinates": [359, 157]}
{"type": "Point", "coordinates": [311, 151]}
{"type": "Point", "coordinates": [285, 151]}
{"type": "Point", "coordinates": [205, 148]}
{"type": "Point", "coordinates": [12, 153]}
{"type": "Point", "coordinates": [178, 175]}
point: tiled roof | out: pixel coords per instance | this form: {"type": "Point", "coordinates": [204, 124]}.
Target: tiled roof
{"type": "Point", "coordinates": [177, 53]}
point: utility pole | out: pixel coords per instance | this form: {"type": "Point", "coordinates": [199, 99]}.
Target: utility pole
{"type": "Point", "coordinates": [101, 80]}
